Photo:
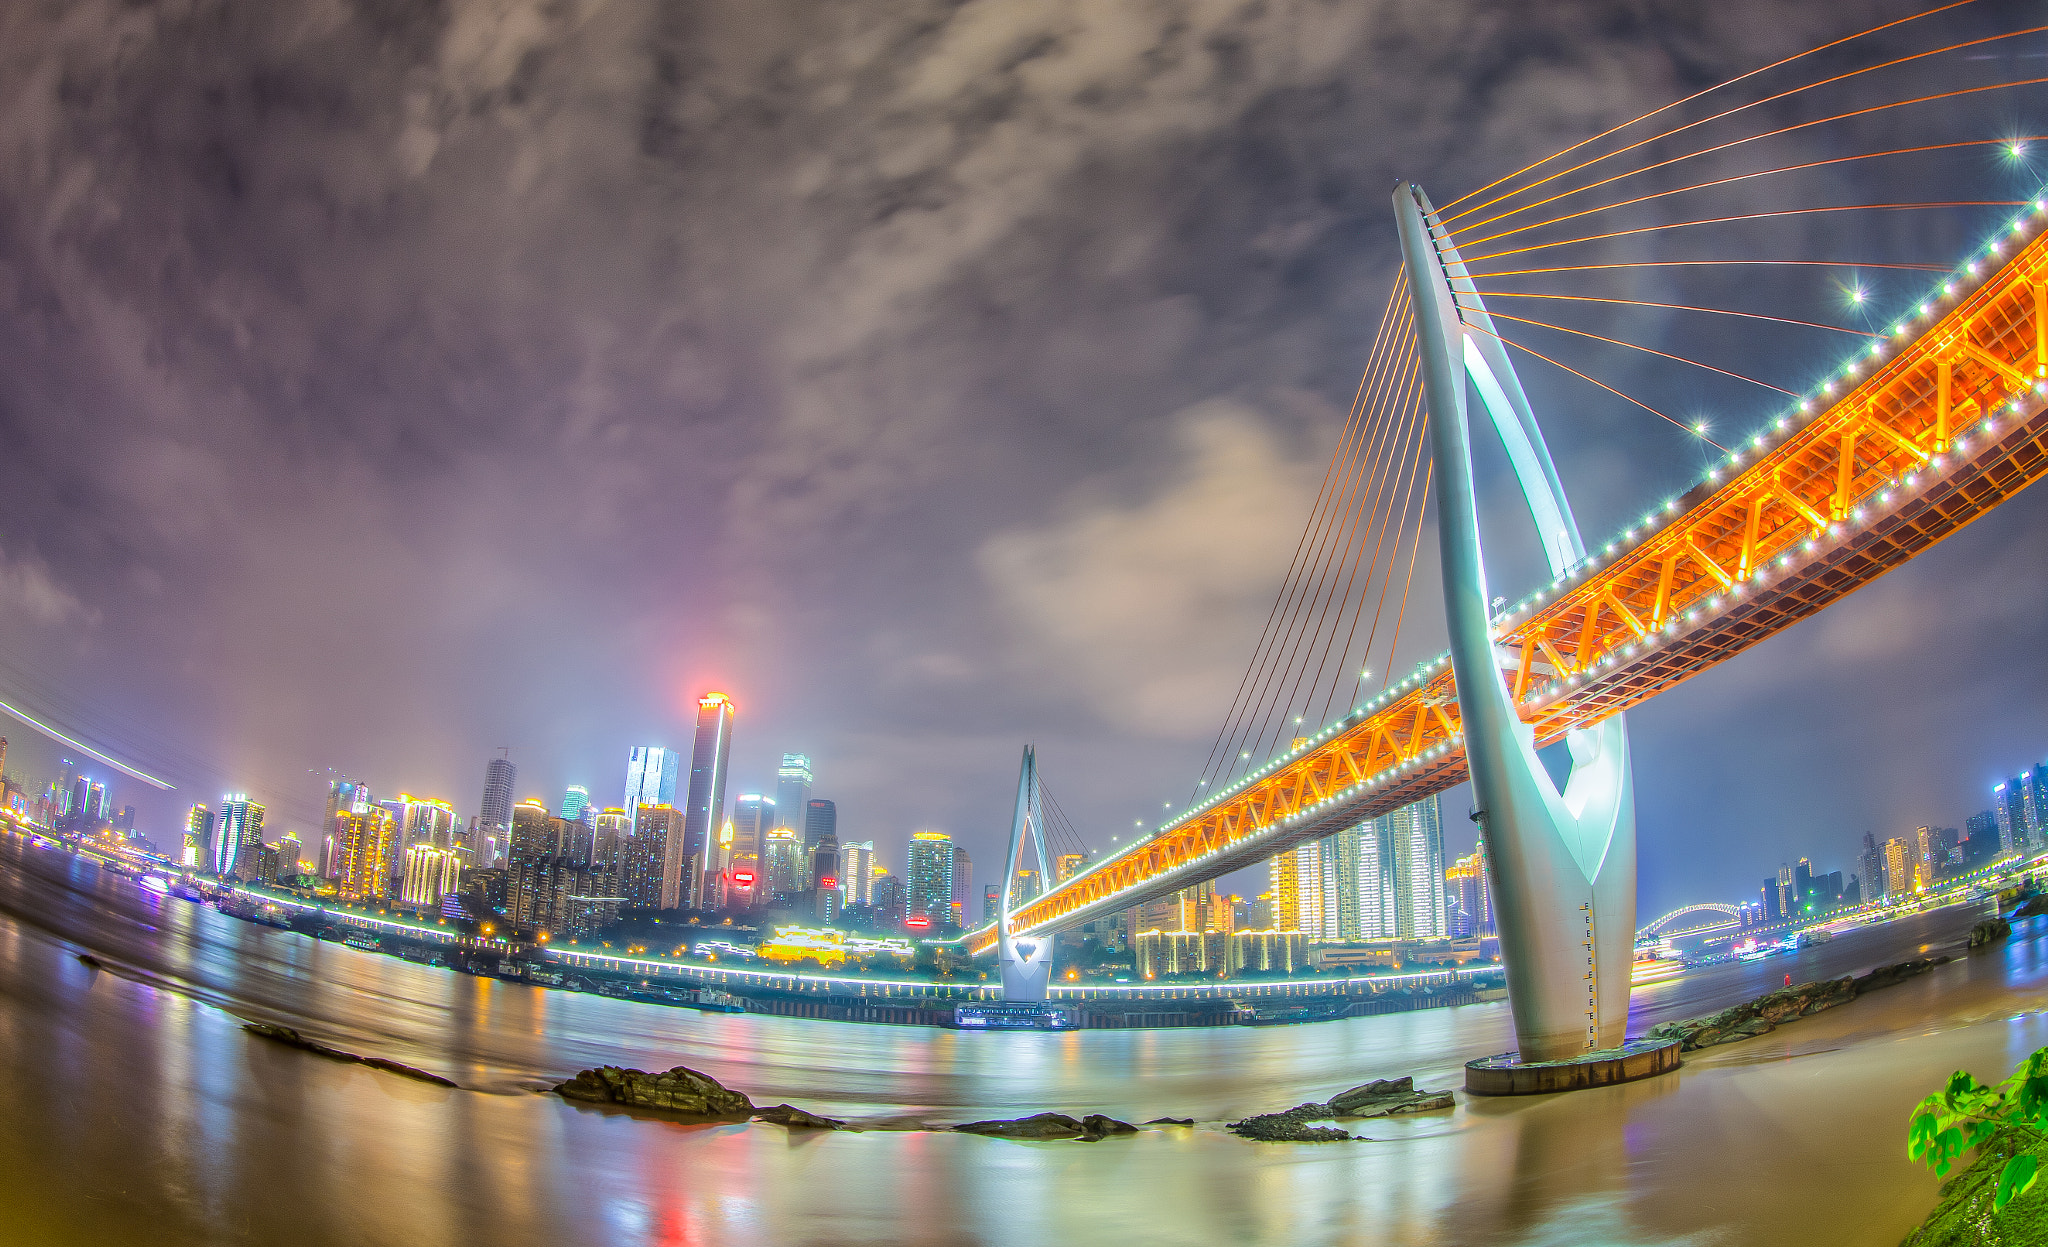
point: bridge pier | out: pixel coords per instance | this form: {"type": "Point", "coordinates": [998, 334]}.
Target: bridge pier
{"type": "Point", "coordinates": [1563, 863]}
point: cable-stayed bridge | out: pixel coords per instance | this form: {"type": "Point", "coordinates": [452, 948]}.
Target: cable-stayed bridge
{"type": "Point", "coordinates": [1935, 430]}
{"type": "Point", "coordinates": [1937, 421]}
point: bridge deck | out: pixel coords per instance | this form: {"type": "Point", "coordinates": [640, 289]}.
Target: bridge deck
{"type": "Point", "coordinates": [1932, 430]}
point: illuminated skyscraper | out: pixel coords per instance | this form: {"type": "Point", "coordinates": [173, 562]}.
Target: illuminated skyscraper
{"type": "Point", "coordinates": [494, 813]}
{"type": "Point", "coordinates": [238, 828]}
{"type": "Point", "coordinates": [199, 839]}
{"type": "Point", "coordinates": [928, 877]}
{"type": "Point", "coordinates": [430, 874]}
{"type": "Point", "coordinates": [1898, 867]}
{"type": "Point", "coordinates": [752, 815]}
{"type": "Point", "coordinates": [685, 875]}
{"type": "Point", "coordinates": [792, 788]}
{"type": "Point", "coordinates": [574, 799]}
{"type": "Point", "coordinates": [857, 872]}
{"type": "Point", "coordinates": [651, 773]}
{"type": "Point", "coordinates": [422, 820]}
{"type": "Point", "coordinates": [782, 863]}
{"type": "Point", "coordinates": [1067, 865]}
{"type": "Point", "coordinates": [369, 845]}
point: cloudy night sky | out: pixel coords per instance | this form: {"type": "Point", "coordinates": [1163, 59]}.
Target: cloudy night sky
{"type": "Point", "coordinates": [384, 383]}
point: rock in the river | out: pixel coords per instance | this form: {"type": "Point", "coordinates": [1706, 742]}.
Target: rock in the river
{"type": "Point", "coordinates": [1291, 1126]}
{"type": "Point", "coordinates": [286, 1035]}
{"type": "Point", "coordinates": [792, 1116]}
{"type": "Point", "coordinates": [1885, 976]}
{"type": "Point", "coordinates": [1767, 1012]}
{"type": "Point", "coordinates": [1171, 1121]}
{"type": "Point", "coordinates": [1988, 930]}
{"type": "Point", "coordinates": [2033, 908]}
{"type": "Point", "coordinates": [1050, 1126]}
{"type": "Point", "coordinates": [1386, 1097]}
{"type": "Point", "coordinates": [679, 1090]}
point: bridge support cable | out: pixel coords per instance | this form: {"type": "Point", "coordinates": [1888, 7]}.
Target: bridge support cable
{"type": "Point", "coordinates": [1411, 507]}
{"type": "Point", "coordinates": [1704, 121]}
{"type": "Point", "coordinates": [1390, 319]}
{"type": "Point", "coordinates": [1361, 497]}
{"type": "Point", "coordinates": [1733, 178]}
{"type": "Point", "coordinates": [1562, 863]}
{"type": "Point", "coordinates": [1676, 104]}
{"type": "Point", "coordinates": [1671, 307]}
{"type": "Point", "coordinates": [1277, 719]}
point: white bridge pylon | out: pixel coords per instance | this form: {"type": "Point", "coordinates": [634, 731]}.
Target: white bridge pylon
{"type": "Point", "coordinates": [1563, 863]}
{"type": "Point", "coordinates": [1026, 959]}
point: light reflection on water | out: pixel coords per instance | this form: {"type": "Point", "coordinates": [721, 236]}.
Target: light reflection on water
{"type": "Point", "coordinates": [139, 1111]}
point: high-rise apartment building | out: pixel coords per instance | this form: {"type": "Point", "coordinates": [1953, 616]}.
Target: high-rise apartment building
{"type": "Point", "coordinates": [1067, 865]}
{"type": "Point", "coordinates": [1287, 891]}
{"type": "Point", "coordinates": [238, 828]}
{"type": "Point", "coordinates": [535, 832]}
{"type": "Point", "coordinates": [646, 855]}
{"type": "Point", "coordinates": [710, 755]}
{"type": "Point", "coordinates": [889, 903]}
{"type": "Point", "coordinates": [1873, 864]}
{"type": "Point", "coordinates": [857, 872]}
{"type": "Point", "coordinates": [1471, 896]}
{"type": "Point", "coordinates": [651, 778]}
{"type": "Point", "coordinates": [494, 812]}
{"type": "Point", "coordinates": [199, 839]}
{"type": "Point", "coordinates": [1401, 875]}
{"type": "Point", "coordinates": [928, 876]}
{"type": "Point", "coordinates": [792, 789]}
{"type": "Point", "coordinates": [611, 842]}
{"type": "Point", "coordinates": [821, 819]}
{"type": "Point", "coordinates": [369, 846]}
{"type": "Point", "coordinates": [1898, 867]}
{"type": "Point", "coordinates": [963, 882]}
{"type": "Point", "coordinates": [430, 874]}
{"type": "Point", "coordinates": [1982, 844]}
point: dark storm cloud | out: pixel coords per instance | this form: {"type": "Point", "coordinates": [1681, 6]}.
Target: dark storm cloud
{"type": "Point", "coordinates": [384, 383]}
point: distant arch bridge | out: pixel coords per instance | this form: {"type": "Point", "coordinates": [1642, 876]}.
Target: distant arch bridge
{"type": "Point", "coordinates": [1731, 916]}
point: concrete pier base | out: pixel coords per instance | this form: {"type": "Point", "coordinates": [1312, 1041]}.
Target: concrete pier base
{"type": "Point", "coordinates": [1508, 1074]}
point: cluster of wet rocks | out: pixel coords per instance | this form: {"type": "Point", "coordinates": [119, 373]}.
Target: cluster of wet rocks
{"type": "Point", "coordinates": [695, 1096]}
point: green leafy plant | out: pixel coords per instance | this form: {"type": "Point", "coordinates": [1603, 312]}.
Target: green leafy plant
{"type": "Point", "coordinates": [1968, 1114]}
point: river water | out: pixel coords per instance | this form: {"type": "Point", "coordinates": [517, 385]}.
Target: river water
{"type": "Point", "coordinates": [137, 1110]}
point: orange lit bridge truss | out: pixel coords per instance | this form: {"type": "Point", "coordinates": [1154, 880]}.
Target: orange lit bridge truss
{"type": "Point", "coordinates": [1941, 422]}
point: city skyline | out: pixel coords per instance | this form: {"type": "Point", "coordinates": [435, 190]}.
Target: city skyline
{"type": "Point", "coordinates": [909, 596]}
